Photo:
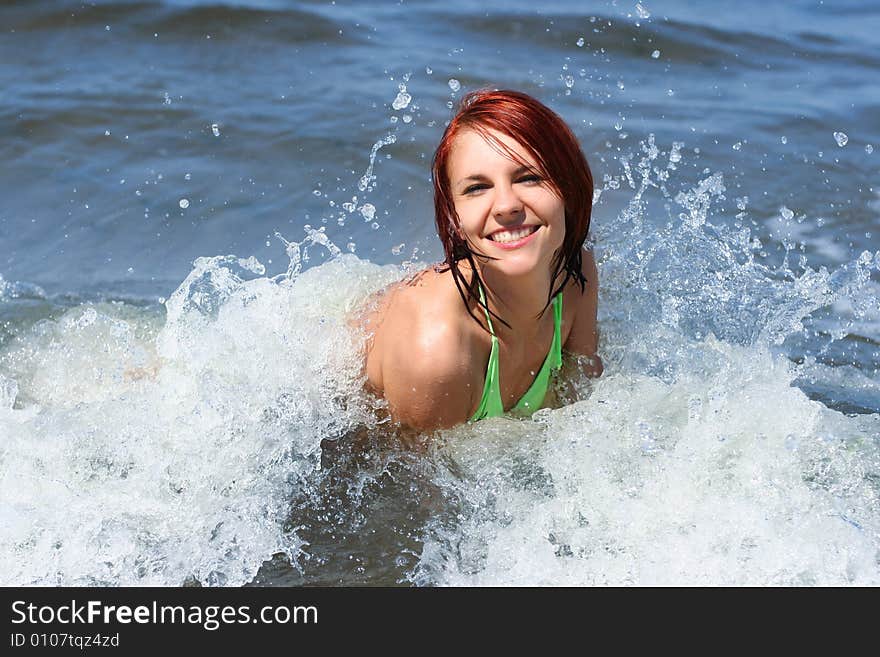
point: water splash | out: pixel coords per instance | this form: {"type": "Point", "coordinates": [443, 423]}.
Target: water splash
{"type": "Point", "coordinates": [367, 180]}
{"type": "Point", "coordinates": [193, 440]}
{"type": "Point", "coordinates": [696, 458]}
{"type": "Point", "coordinates": [177, 441]}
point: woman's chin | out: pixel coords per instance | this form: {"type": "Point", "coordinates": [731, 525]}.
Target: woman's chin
{"type": "Point", "coordinates": [517, 266]}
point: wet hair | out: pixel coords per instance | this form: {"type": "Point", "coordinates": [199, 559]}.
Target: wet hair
{"type": "Point", "coordinates": [560, 162]}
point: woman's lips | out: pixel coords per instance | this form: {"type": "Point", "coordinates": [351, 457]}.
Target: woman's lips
{"type": "Point", "coordinates": [515, 244]}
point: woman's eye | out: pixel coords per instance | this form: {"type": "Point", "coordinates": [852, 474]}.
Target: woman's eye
{"type": "Point", "coordinates": [481, 186]}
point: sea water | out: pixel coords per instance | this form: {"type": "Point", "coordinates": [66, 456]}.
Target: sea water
{"type": "Point", "coordinates": [188, 232]}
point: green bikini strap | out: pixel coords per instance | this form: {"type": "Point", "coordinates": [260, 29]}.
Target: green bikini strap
{"type": "Point", "coordinates": [485, 307]}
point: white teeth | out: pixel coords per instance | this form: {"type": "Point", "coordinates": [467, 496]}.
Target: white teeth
{"type": "Point", "coordinates": [513, 235]}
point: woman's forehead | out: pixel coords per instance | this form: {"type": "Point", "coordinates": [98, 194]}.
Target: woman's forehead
{"type": "Point", "coordinates": [473, 149]}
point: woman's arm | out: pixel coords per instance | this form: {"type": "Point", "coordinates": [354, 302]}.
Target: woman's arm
{"type": "Point", "coordinates": [583, 339]}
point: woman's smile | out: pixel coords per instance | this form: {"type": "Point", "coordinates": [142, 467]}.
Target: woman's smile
{"type": "Point", "coordinates": [513, 238]}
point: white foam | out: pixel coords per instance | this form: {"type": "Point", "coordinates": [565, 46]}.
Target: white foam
{"type": "Point", "coordinates": [733, 478]}
{"type": "Point", "coordinates": [109, 478]}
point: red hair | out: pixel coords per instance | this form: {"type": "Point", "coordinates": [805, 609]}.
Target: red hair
{"type": "Point", "coordinates": [560, 161]}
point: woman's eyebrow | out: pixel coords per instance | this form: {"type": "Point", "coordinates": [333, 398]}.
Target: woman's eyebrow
{"type": "Point", "coordinates": [480, 177]}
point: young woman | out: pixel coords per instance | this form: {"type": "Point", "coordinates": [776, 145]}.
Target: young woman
{"type": "Point", "coordinates": [482, 334]}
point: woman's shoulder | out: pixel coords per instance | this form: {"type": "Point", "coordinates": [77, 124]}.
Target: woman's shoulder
{"type": "Point", "coordinates": [426, 297]}
{"type": "Point", "coordinates": [421, 313]}
{"type": "Point", "coordinates": [422, 352]}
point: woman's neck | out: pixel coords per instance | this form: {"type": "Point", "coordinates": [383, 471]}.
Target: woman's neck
{"type": "Point", "coordinates": [519, 301]}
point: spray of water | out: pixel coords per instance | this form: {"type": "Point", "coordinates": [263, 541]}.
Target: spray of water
{"type": "Point", "coordinates": [148, 446]}
{"type": "Point", "coordinates": [696, 458]}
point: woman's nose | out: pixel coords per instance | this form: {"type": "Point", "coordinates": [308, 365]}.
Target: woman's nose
{"type": "Point", "coordinates": [507, 204]}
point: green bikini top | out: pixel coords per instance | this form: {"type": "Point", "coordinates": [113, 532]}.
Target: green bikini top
{"type": "Point", "coordinates": [491, 404]}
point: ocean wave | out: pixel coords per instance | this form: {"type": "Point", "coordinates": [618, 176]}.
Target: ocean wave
{"type": "Point", "coordinates": [211, 20]}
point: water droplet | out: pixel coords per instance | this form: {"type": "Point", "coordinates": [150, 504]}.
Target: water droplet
{"type": "Point", "coordinates": [786, 213]}
{"type": "Point", "coordinates": [215, 129]}
{"type": "Point", "coordinates": [869, 149]}
{"type": "Point", "coordinates": [167, 99]}
{"type": "Point", "coordinates": [581, 42]}
{"type": "Point", "coordinates": [568, 80]}
{"type": "Point", "coordinates": [655, 54]}
{"type": "Point", "coordinates": [642, 11]}
{"type": "Point", "coordinates": [374, 226]}
{"type": "Point", "coordinates": [454, 84]}
{"type": "Point", "coordinates": [106, 133]}
{"type": "Point", "coordinates": [397, 249]}
{"type": "Point", "coordinates": [368, 211]}
{"type": "Point", "coordinates": [107, 27]}
{"type": "Point", "coordinates": [737, 146]}
{"type": "Point", "coordinates": [670, 92]}
{"type": "Point", "coordinates": [403, 99]}
{"type": "Point", "coordinates": [316, 192]}
{"type": "Point", "coordinates": [783, 139]}
{"type": "Point", "coordinates": [407, 118]}
{"type": "Point", "coordinates": [429, 70]}
{"type": "Point", "coordinates": [841, 138]}
{"type": "Point", "coordinates": [351, 246]}
{"type": "Point", "coordinates": [187, 176]}
{"type": "Point", "coordinates": [184, 203]}
{"type": "Point", "coordinates": [620, 85]}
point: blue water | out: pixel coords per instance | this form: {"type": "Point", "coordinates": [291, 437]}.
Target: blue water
{"type": "Point", "coordinates": [737, 226]}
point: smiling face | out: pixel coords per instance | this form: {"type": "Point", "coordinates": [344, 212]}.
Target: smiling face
{"type": "Point", "coordinates": [506, 209]}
